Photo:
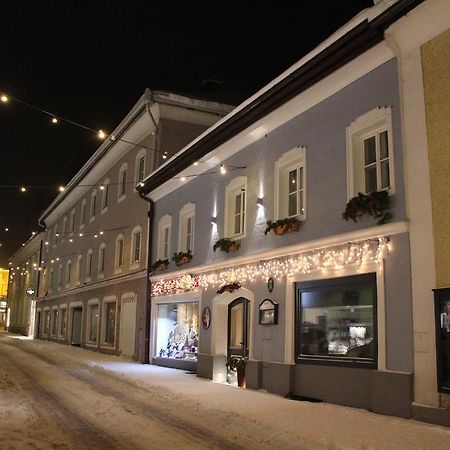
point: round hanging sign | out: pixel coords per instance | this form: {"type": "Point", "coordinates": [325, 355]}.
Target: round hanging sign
{"type": "Point", "coordinates": [206, 317]}
{"type": "Point", "coordinates": [30, 291]}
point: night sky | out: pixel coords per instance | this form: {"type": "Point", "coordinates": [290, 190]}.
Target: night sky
{"type": "Point", "coordinates": [90, 61]}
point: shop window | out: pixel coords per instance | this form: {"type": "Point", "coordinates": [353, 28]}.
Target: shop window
{"type": "Point", "coordinates": [177, 331]}
{"type": "Point", "coordinates": [109, 321]}
{"type": "Point", "coordinates": [235, 208]}
{"type": "Point", "coordinates": [46, 322]}
{"type": "Point", "coordinates": [123, 175]}
{"type": "Point", "coordinates": [290, 184]}
{"type": "Point", "coordinates": [370, 162]}
{"type": "Point", "coordinates": [164, 236]}
{"type": "Point", "coordinates": [186, 228]}
{"type": "Point", "coordinates": [92, 323]}
{"type": "Point", "coordinates": [55, 314]}
{"type": "Point", "coordinates": [62, 322]}
{"type": "Point", "coordinates": [336, 321]}
{"type": "Point", "coordinates": [442, 309]}
{"type": "Point", "coordinates": [105, 190]}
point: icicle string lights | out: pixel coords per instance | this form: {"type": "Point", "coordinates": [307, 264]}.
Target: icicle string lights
{"type": "Point", "coordinates": [339, 257]}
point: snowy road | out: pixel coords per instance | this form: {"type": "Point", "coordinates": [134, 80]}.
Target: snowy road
{"type": "Point", "coordinates": [54, 396]}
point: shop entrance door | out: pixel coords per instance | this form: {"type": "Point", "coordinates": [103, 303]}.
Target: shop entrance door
{"type": "Point", "coordinates": [76, 326]}
{"type": "Point", "coordinates": [238, 328]}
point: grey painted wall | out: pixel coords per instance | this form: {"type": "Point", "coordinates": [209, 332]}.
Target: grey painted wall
{"type": "Point", "coordinates": [322, 130]}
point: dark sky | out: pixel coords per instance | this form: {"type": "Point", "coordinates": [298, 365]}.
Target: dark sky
{"type": "Point", "coordinates": [90, 61]}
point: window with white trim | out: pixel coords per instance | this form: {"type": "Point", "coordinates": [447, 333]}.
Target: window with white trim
{"type": "Point", "coordinates": [92, 321]}
{"type": "Point", "coordinates": [370, 160]}
{"type": "Point", "coordinates": [139, 174]}
{"type": "Point", "coordinates": [72, 221]}
{"type": "Point", "coordinates": [122, 186]}
{"type": "Point", "coordinates": [105, 193]}
{"type": "Point", "coordinates": [235, 207]}
{"type": "Point", "coordinates": [186, 228]}
{"type": "Point", "coordinates": [51, 281]}
{"type": "Point", "coordinates": [54, 321]}
{"type": "Point", "coordinates": [79, 263]}
{"type": "Point", "coordinates": [68, 272]}
{"type": "Point", "coordinates": [60, 275]}
{"type": "Point", "coordinates": [118, 259]}
{"type": "Point", "coordinates": [164, 236]}
{"type": "Point", "coordinates": [101, 259]}
{"type": "Point", "coordinates": [83, 213]}
{"type": "Point", "coordinates": [89, 259]}
{"type": "Point", "coordinates": [136, 238]}
{"type": "Point", "coordinates": [63, 231]}
{"type": "Point", "coordinates": [93, 205]}
{"type": "Point", "coordinates": [62, 321]}
{"type": "Point", "coordinates": [290, 184]}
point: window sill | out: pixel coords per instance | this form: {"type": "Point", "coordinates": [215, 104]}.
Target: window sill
{"type": "Point", "coordinates": [108, 346]}
{"type": "Point", "coordinates": [104, 210]}
{"type": "Point", "coordinates": [337, 362]}
{"type": "Point", "coordinates": [91, 219]}
{"type": "Point", "coordinates": [118, 270]}
{"type": "Point", "coordinates": [121, 199]}
{"type": "Point", "coordinates": [135, 265]}
{"type": "Point", "coordinates": [91, 344]}
{"type": "Point", "coordinates": [100, 276]}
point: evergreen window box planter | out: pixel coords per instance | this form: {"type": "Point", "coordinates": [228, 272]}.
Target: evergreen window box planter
{"type": "Point", "coordinates": [227, 245]}
{"type": "Point", "coordinates": [161, 264]}
{"type": "Point", "coordinates": [375, 204]}
{"type": "Point", "coordinates": [283, 226]}
{"type": "Point", "coordinates": [182, 258]}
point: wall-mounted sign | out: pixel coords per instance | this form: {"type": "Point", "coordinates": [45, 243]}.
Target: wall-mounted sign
{"type": "Point", "coordinates": [206, 317]}
{"type": "Point", "coordinates": [268, 312]}
{"type": "Point", "coordinates": [270, 284]}
{"type": "Point", "coordinates": [30, 291]}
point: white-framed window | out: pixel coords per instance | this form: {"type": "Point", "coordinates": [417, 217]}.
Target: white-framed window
{"type": "Point", "coordinates": [68, 273]}
{"type": "Point", "coordinates": [79, 264]}
{"type": "Point", "coordinates": [105, 194]}
{"type": "Point", "coordinates": [46, 321]}
{"type": "Point", "coordinates": [290, 184]}
{"type": "Point", "coordinates": [136, 245]}
{"type": "Point", "coordinates": [72, 222]}
{"type": "Point", "coordinates": [101, 259]}
{"type": "Point", "coordinates": [123, 179]}
{"type": "Point", "coordinates": [55, 235]}
{"type": "Point", "coordinates": [92, 322]}
{"type": "Point", "coordinates": [93, 205]}
{"type": "Point", "coordinates": [62, 327]}
{"type": "Point", "coordinates": [51, 280]}
{"type": "Point", "coordinates": [54, 321]}
{"type": "Point", "coordinates": [139, 166]}
{"type": "Point", "coordinates": [60, 275]}
{"type": "Point", "coordinates": [164, 236]}
{"type": "Point", "coordinates": [118, 257]}
{"type": "Point", "coordinates": [186, 228]}
{"type": "Point", "coordinates": [370, 153]}
{"type": "Point", "coordinates": [89, 260]}
{"type": "Point", "coordinates": [83, 213]}
{"type": "Point", "coordinates": [64, 229]}
{"type": "Point", "coordinates": [235, 207]}
{"type": "Point", "coordinates": [109, 321]}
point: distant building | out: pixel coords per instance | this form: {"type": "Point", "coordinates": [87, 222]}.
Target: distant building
{"type": "Point", "coordinates": [25, 275]}
{"type": "Point", "coordinates": [258, 280]}
{"type": "Point", "coordinates": [94, 261]}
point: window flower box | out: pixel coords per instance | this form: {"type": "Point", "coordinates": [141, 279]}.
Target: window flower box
{"type": "Point", "coordinates": [182, 258]}
{"type": "Point", "coordinates": [283, 226]}
{"type": "Point", "coordinates": [375, 204]}
{"type": "Point", "coordinates": [227, 245]}
{"type": "Point", "coordinates": [161, 264]}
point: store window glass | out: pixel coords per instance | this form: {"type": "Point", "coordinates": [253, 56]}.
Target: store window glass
{"type": "Point", "coordinates": [63, 322]}
{"type": "Point", "coordinates": [336, 320]}
{"type": "Point", "coordinates": [177, 331]}
{"type": "Point", "coordinates": [55, 314]}
{"type": "Point", "coordinates": [442, 307]}
{"type": "Point", "coordinates": [93, 320]}
{"type": "Point", "coordinates": [110, 328]}
{"type": "Point", "coordinates": [46, 321]}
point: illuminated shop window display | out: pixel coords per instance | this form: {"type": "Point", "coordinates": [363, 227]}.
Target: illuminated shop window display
{"type": "Point", "coordinates": [337, 320]}
{"type": "Point", "coordinates": [177, 331]}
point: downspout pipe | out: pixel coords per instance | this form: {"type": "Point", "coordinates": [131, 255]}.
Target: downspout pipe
{"type": "Point", "coordinates": [148, 299]}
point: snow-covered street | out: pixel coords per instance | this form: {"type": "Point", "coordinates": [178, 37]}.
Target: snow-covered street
{"type": "Point", "coordinates": [54, 396]}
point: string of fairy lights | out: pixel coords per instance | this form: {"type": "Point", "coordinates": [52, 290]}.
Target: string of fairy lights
{"type": "Point", "coordinates": [56, 119]}
{"type": "Point", "coordinates": [331, 259]}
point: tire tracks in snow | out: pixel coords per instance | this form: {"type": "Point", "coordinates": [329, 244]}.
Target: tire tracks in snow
{"type": "Point", "coordinates": [191, 431]}
{"type": "Point", "coordinates": [80, 433]}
